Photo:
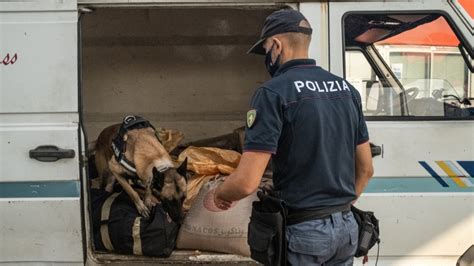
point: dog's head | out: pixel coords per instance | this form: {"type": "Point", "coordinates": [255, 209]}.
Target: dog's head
{"type": "Point", "coordinates": [170, 187]}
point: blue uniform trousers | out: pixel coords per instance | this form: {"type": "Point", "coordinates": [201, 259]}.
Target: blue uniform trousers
{"type": "Point", "coordinates": [328, 241]}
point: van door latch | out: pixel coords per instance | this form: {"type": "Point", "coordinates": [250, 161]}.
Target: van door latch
{"type": "Point", "coordinates": [376, 150]}
{"type": "Point", "coordinates": [50, 153]}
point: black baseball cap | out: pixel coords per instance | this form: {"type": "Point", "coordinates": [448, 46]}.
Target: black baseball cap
{"type": "Point", "coordinates": [281, 21]}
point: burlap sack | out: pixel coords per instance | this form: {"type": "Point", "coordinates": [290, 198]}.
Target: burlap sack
{"type": "Point", "coordinates": [206, 163]}
{"type": "Point", "coordinates": [169, 138]}
{"type": "Point", "coordinates": [224, 231]}
{"type": "Point", "coordinates": [193, 187]}
{"type": "Point", "coordinates": [210, 161]}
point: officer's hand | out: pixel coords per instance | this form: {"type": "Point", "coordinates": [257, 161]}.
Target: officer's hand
{"type": "Point", "coordinates": [214, 204]}
{"type": "Point", "coordinates": [221, 204]}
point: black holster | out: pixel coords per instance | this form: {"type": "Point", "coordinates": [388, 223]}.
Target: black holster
{"type": "Point", "coordinates": [369, 231]}
{"type": "Point", "coordinates": [266, 230]}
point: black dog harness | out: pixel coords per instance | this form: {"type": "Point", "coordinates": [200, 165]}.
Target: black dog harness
{"type": "Point", "coordinates": [119, 146]}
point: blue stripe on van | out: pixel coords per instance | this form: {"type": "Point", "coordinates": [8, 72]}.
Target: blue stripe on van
{"type": "Point", "coordinates": [468, 166]}
{"type": "Point", "coordinates": [433, 174]}
{"type": "Point", "coordinates": [40, 189]}
{"type": "Point", "coordinates": [71, 189]}
{"type": "Point", "coordinates": [413, 184]}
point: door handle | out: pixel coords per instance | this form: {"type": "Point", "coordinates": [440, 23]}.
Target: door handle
{"type": "Point", "coordinates": [376, 150]}
{"type": "Point", "coordinates": [50, 153]}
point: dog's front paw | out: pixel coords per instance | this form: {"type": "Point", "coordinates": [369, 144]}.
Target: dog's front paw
{"type": "Point", "coordinates": [142, 209]}
{"type": "Point", "coordinates": [149, 202]}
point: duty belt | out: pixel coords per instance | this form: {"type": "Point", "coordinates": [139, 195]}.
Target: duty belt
{"type": "Point", "coordinates": [303, 215]}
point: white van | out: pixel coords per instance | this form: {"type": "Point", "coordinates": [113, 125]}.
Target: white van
{"type": "Point", "coordinates": [70, 68]}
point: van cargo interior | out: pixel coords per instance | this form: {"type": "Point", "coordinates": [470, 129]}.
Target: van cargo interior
{"type": "Point", "coordinates": [180, 68]}
{"type": "Point", "coordinates": [185, 69]}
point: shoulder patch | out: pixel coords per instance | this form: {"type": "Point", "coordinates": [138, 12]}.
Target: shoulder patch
{"type": "Point", "coordinates": [251, 117]}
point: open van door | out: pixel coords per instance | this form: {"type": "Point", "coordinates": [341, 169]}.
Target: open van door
{"type": "Point", "coordinates": [40, 210]}
{"type": "Point", "coordinates": [417, 94]}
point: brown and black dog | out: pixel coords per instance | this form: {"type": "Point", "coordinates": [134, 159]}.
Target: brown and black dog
{"type": "Point", "coordinates": [151, 165]}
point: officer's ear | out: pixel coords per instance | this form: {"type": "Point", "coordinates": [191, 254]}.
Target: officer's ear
{"type": "Point", "coordinates": [277, 46]}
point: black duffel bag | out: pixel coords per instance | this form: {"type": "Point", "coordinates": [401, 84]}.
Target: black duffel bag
{"type": "Point", "coordinates": [118, 227]}
{"type": "Point", "coordinates": [266, 230]}
{"type": "Point", "coordinates": [369, 231]}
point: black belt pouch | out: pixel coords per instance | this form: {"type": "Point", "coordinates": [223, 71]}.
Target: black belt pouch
{"type": "Point", "coordinates": [266, 230]}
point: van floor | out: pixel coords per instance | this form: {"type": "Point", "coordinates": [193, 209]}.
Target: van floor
{"type": "Point", "coordinates": [178, 257]}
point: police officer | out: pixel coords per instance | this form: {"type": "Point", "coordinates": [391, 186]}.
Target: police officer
{"type": "Point", "coordinates": [311, 123]}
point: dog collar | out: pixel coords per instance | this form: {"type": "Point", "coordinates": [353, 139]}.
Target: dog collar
{"type": "Point", "coordinates": [119, 146]}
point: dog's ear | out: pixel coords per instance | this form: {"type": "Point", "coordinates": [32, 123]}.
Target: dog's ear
{"type": "Point", "coordinates": [182, 168]}
{"type": "Point", "coordinates": [158, 179]}
{"type": "Point", "coordinates": [125, 137]}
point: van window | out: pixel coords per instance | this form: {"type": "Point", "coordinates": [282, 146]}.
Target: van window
{"type": "Point", "coordinates": [364, 79]}
{"type": "Point", "coordinates": [421, 52]}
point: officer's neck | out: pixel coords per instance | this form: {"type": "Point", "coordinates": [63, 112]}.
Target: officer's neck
{"type": "Point", "coordinates": [292, 55]}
